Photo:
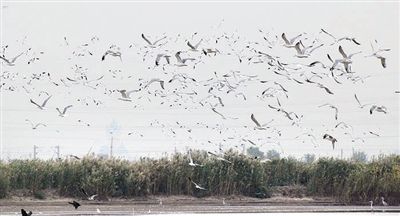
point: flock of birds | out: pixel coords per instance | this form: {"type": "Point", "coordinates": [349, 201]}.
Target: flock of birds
{"type": "Point", "coordinates": [177, 83]}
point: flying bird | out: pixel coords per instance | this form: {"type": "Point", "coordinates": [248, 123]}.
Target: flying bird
{"type": "Point", "coordinates": [219, 158]}
{"type": "Point", "coordinates": [333, 107]}
{"type": "Point", "coordinates": [24, 213]}
{"type": "Point", "coordinates": [196, 185]}
{"type": "Point", "coordinates": [10, 62]}
{"type": "Point", "coordinates": [258, 125]}
{"type": "Point", "coordinates": [75, 204]}
{"type": "Point", "coordinates": [346, 60]}
{"type": "Point", "coordinates": [181, 60]}
{"type": "Point", "coordinates": [191, 163]}
{"type": "Point", "coordinates": [194, 47]}
{"type": "Point", "coordinates": [376, 53]}
{"type": "Point", "coordinates": [89, 197]}
{"type": "Point", "coordinates": [376, 108]}
{"type": "Point", "coordinates": [62, 114]}
{"type": "Point", "coordinates": [330, 138]}
{"type": "Point", "coordinates": [152, 44]}
{"type": "Point", "coordinates": [112, 53]}
{"type": "Point", "coordinates": [290, 43]}
{"type": "Point", "coordinates": [43, 104]}
{"type": "Point", "coordinates": [35, 126]}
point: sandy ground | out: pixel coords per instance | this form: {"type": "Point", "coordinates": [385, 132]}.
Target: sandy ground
{"type": "Point", "coordinates": [182, 205]}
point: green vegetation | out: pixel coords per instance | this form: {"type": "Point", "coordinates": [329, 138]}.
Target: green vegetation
{"type": "Point", "coordinates": [346, 180]}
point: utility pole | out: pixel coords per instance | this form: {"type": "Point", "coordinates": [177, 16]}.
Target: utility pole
{"type": "Point", "coordinates": [34, 152]}
{"type": "Point", "coordinates": [244, 149]}
{"type": "Point", "coordinates": [58, 151]}
{"type": "Point", "coordinates": [341, 154]}
{"type": "Point", "coordinates": [111, 146]}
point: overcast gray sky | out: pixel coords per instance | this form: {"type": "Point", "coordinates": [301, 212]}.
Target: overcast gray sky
{"type": "Point", "coordinates": [42, 26]}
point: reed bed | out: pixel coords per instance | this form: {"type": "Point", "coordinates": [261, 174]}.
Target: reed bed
{"type": "Point", "coordinates": [348, 181]}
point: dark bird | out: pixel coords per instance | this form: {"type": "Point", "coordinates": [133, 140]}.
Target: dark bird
{"type": "Point", "coordinates": [75, 204]}
{"type": "Point", "coordinates": [24, 213]}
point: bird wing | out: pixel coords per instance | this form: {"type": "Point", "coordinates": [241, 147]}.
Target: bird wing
{"type": "Point", "coordinates": [255, 120]}
{"type": "Point", "coordinates": [326, 89]}
{"type": "Point", "coordinates": [342, 52]}
{"type": "Point", "coordinates": [35, 103]}
{"type": "Point", "coordinates": [328, 33]}
{"type": "Point", "coordinates": [297, 47]}
{"type": "Point", "coordinates": [23, 212]}
{"type": "Point", "coordinates": [155, 42]}
{"type": "Point", "coordinates": [147, 40]}
{"type": "Point", "coordinates": [84, 192]}
{"type": "Point", "coordinates": [285, 39]}
{"type": "Point", "coordinates": [358, 101]}
{"type": "Point", "coordinates": [178, 57]}
{"type": "Point", "coordinates": [6, 60]}
{"type": "Point", "coordinates": [159, 56]}
{"type": "Point", "coordinates": [16, 57]}
{"type": "Point", "coordinates": [198, 44]}
{"type": "Point", "coordinates": [294, 39]}
{"type": "Point", "coordinates": [383, 62]}
{"type": "Point", "coordinates": [65, 109]}
{"type": "Point", "coordinates": [356, 42]}
{"type": "Point", "coordinates": [190, 45]}
{"type": "Point", "coordinates": [45, 101]}
{"type": "Point", "coordinates": [371, 110]}
{"type": "Point", "coordinates": [329, 57]}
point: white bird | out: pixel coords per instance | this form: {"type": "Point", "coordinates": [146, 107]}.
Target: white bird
{"type": "Point", "coordinates": [98, 210]}
{"type": "Point", "coordinates": [330, 138]}
{"type": "Point", "coordinates": [384, 202]}
{"type": "Point", "coordinates": [378, 56]}
{"type": "Point", "coordinates": [333, 107]}
{"type": "Point", "coordinates": [10, 62]}
{"type": "Point", "coordinates": [306, 51]}
{"type": "Point", "coordinates": [196, 185]}
{"type": "Point", "coordinates": [290, 43]}
{"type": "Point", "coordinates": [359, 103]}
{"type": "Point", "coordinates": [89, 197]}
{"type": "Point", "coordinates": [159, 56]}
{"type": "Point", "coordinates": [194, 47]}
{"type": "Point", "coordinates": [191, 163]}
{"type": "Point", "coordinates": [346, 60]}
{"type": "Point", "coordinates": [371, 203]}
{"type": "Point", "coordinates": [258, 125]}
{"type": "Point", "coordinates": [43, 104]}
{"type": "Point", "coordinates": [35, 126]}
{"type": "Point", "coordinates": [125, 95]}
{"type": "Point", "coordinates": [155, 80]}
{"type": "Point", "coordinates": [376, 108]}
{"type": "Point", "coordinates": [219, 158]}
{"type": "Point", "coordinates": [182, 61]}
{"type": "Point", "coordinates": [152, 44]}
{"type": "Point", "coordinates": [109, 52]}
{"type": "Point", "coordinates": [62, 114]}
{"type": "Point", "coordinates": [336, 40]}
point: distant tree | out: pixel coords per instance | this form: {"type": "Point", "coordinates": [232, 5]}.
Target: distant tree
{"type": "Point", "coordinates": [255, 152]}
{"type": "Point", "coordinates": [359, 156]}
{"type": "Point", "coordinates": [309, 158]}
{"type": "Point", "coordinates": [273, 154]}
